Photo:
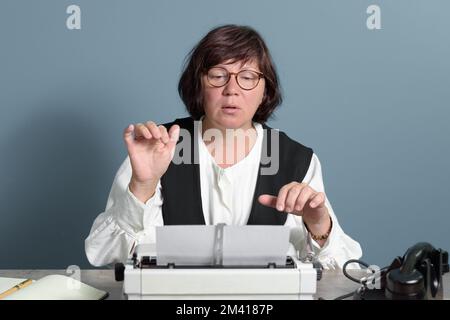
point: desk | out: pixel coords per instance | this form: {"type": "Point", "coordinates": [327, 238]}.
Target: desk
{"type": "Point", "coordinates": [332, 285]}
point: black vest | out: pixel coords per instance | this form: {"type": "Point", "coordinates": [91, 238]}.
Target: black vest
{"type": "Point", "coordinates": [180, 184]}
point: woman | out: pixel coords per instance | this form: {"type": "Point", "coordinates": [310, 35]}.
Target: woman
{"type": "Point", "coordinates": [230, 88]}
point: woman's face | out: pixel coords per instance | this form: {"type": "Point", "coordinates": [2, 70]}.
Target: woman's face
{"type": "Point", "coordinates": [230, 106]}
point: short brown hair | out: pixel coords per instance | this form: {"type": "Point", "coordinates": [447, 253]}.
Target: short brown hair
{"type": "Point", "coordinates": [223, 43]}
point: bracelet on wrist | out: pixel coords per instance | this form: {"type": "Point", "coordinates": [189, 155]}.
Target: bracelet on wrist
{"type": "Point", "coordinates": [321, 236]}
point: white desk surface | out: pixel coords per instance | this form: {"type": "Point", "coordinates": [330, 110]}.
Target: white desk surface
{"type": "Point", "coordinates": [332, 284]}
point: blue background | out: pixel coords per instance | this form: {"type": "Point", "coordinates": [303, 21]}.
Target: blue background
{"type": "Point", "coordinates": [373, 104]}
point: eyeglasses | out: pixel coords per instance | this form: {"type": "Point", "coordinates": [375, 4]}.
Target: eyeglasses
{"type": "Point", "coordinates": [246, 79]}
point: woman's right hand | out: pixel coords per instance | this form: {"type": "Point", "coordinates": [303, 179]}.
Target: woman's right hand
{"type": "Point", "coordinates": [151, 149]}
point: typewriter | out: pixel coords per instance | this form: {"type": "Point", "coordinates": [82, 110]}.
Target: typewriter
{"type": "Point", "coordinates": [147, 275]}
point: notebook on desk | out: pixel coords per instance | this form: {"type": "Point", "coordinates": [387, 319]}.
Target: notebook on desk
{"type": "Point", "coordinates": [52, 287]}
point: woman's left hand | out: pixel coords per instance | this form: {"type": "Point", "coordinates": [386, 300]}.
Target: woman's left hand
{"type": "Point", "coordinates": [302, 200]}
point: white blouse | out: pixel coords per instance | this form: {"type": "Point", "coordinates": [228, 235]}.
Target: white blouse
{"type": "Point", "coordinates": [227, 196]}
{"type": "Point", "coordinates": [230, 201]}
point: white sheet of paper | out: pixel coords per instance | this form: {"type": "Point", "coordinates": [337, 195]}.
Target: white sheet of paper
{"type": "Point", "coordinates": [185, 245]}
{"type": "Point", "coordinates": [255, 245]}
{"type": "Point", "coordinates": [242, 245]}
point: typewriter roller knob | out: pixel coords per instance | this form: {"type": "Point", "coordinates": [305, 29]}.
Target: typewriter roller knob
{"type": "Point", "coordinates": [119, 270]}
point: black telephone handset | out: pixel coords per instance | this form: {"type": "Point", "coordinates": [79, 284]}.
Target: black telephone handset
{"type": "Point", "coordinates": [415, 276]}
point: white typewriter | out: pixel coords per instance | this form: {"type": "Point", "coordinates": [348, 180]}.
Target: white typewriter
{"type": "Point", "coordinates": [217, 262]}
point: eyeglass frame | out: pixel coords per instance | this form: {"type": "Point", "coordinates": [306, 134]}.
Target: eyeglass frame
{"type": "Point", "coordinates": [235, 74]}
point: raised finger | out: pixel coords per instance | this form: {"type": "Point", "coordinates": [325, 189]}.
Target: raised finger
{"type": "Point", "coordinates": [153, 129]}
{"type": "Point", "coordinates": [291, 198]}
{"type": "Point", "coordinates": [174, 132]}
{"type": "Point", "coordinates": [303, 197]}
{"type": "Point", "coordinates": [317, 200]}
{"type": "Point", "coordinates": [268, 200]}
{"type": "Point", "coordinates": [281, 197]}
{"type": "Point", "coordinates": [128, 134]}
{"type": "Point", "coordinates": [142, 131]}
{"type": "Point", "coordinates": [164, 134]}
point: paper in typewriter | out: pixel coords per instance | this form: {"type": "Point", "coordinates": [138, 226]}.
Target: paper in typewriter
{"type": "Point", "coordinates": [255, 245]}
{"type": "Point", "coordinates": [185, 245]}
{"type": "Point", "coordinates": [239, 245]}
